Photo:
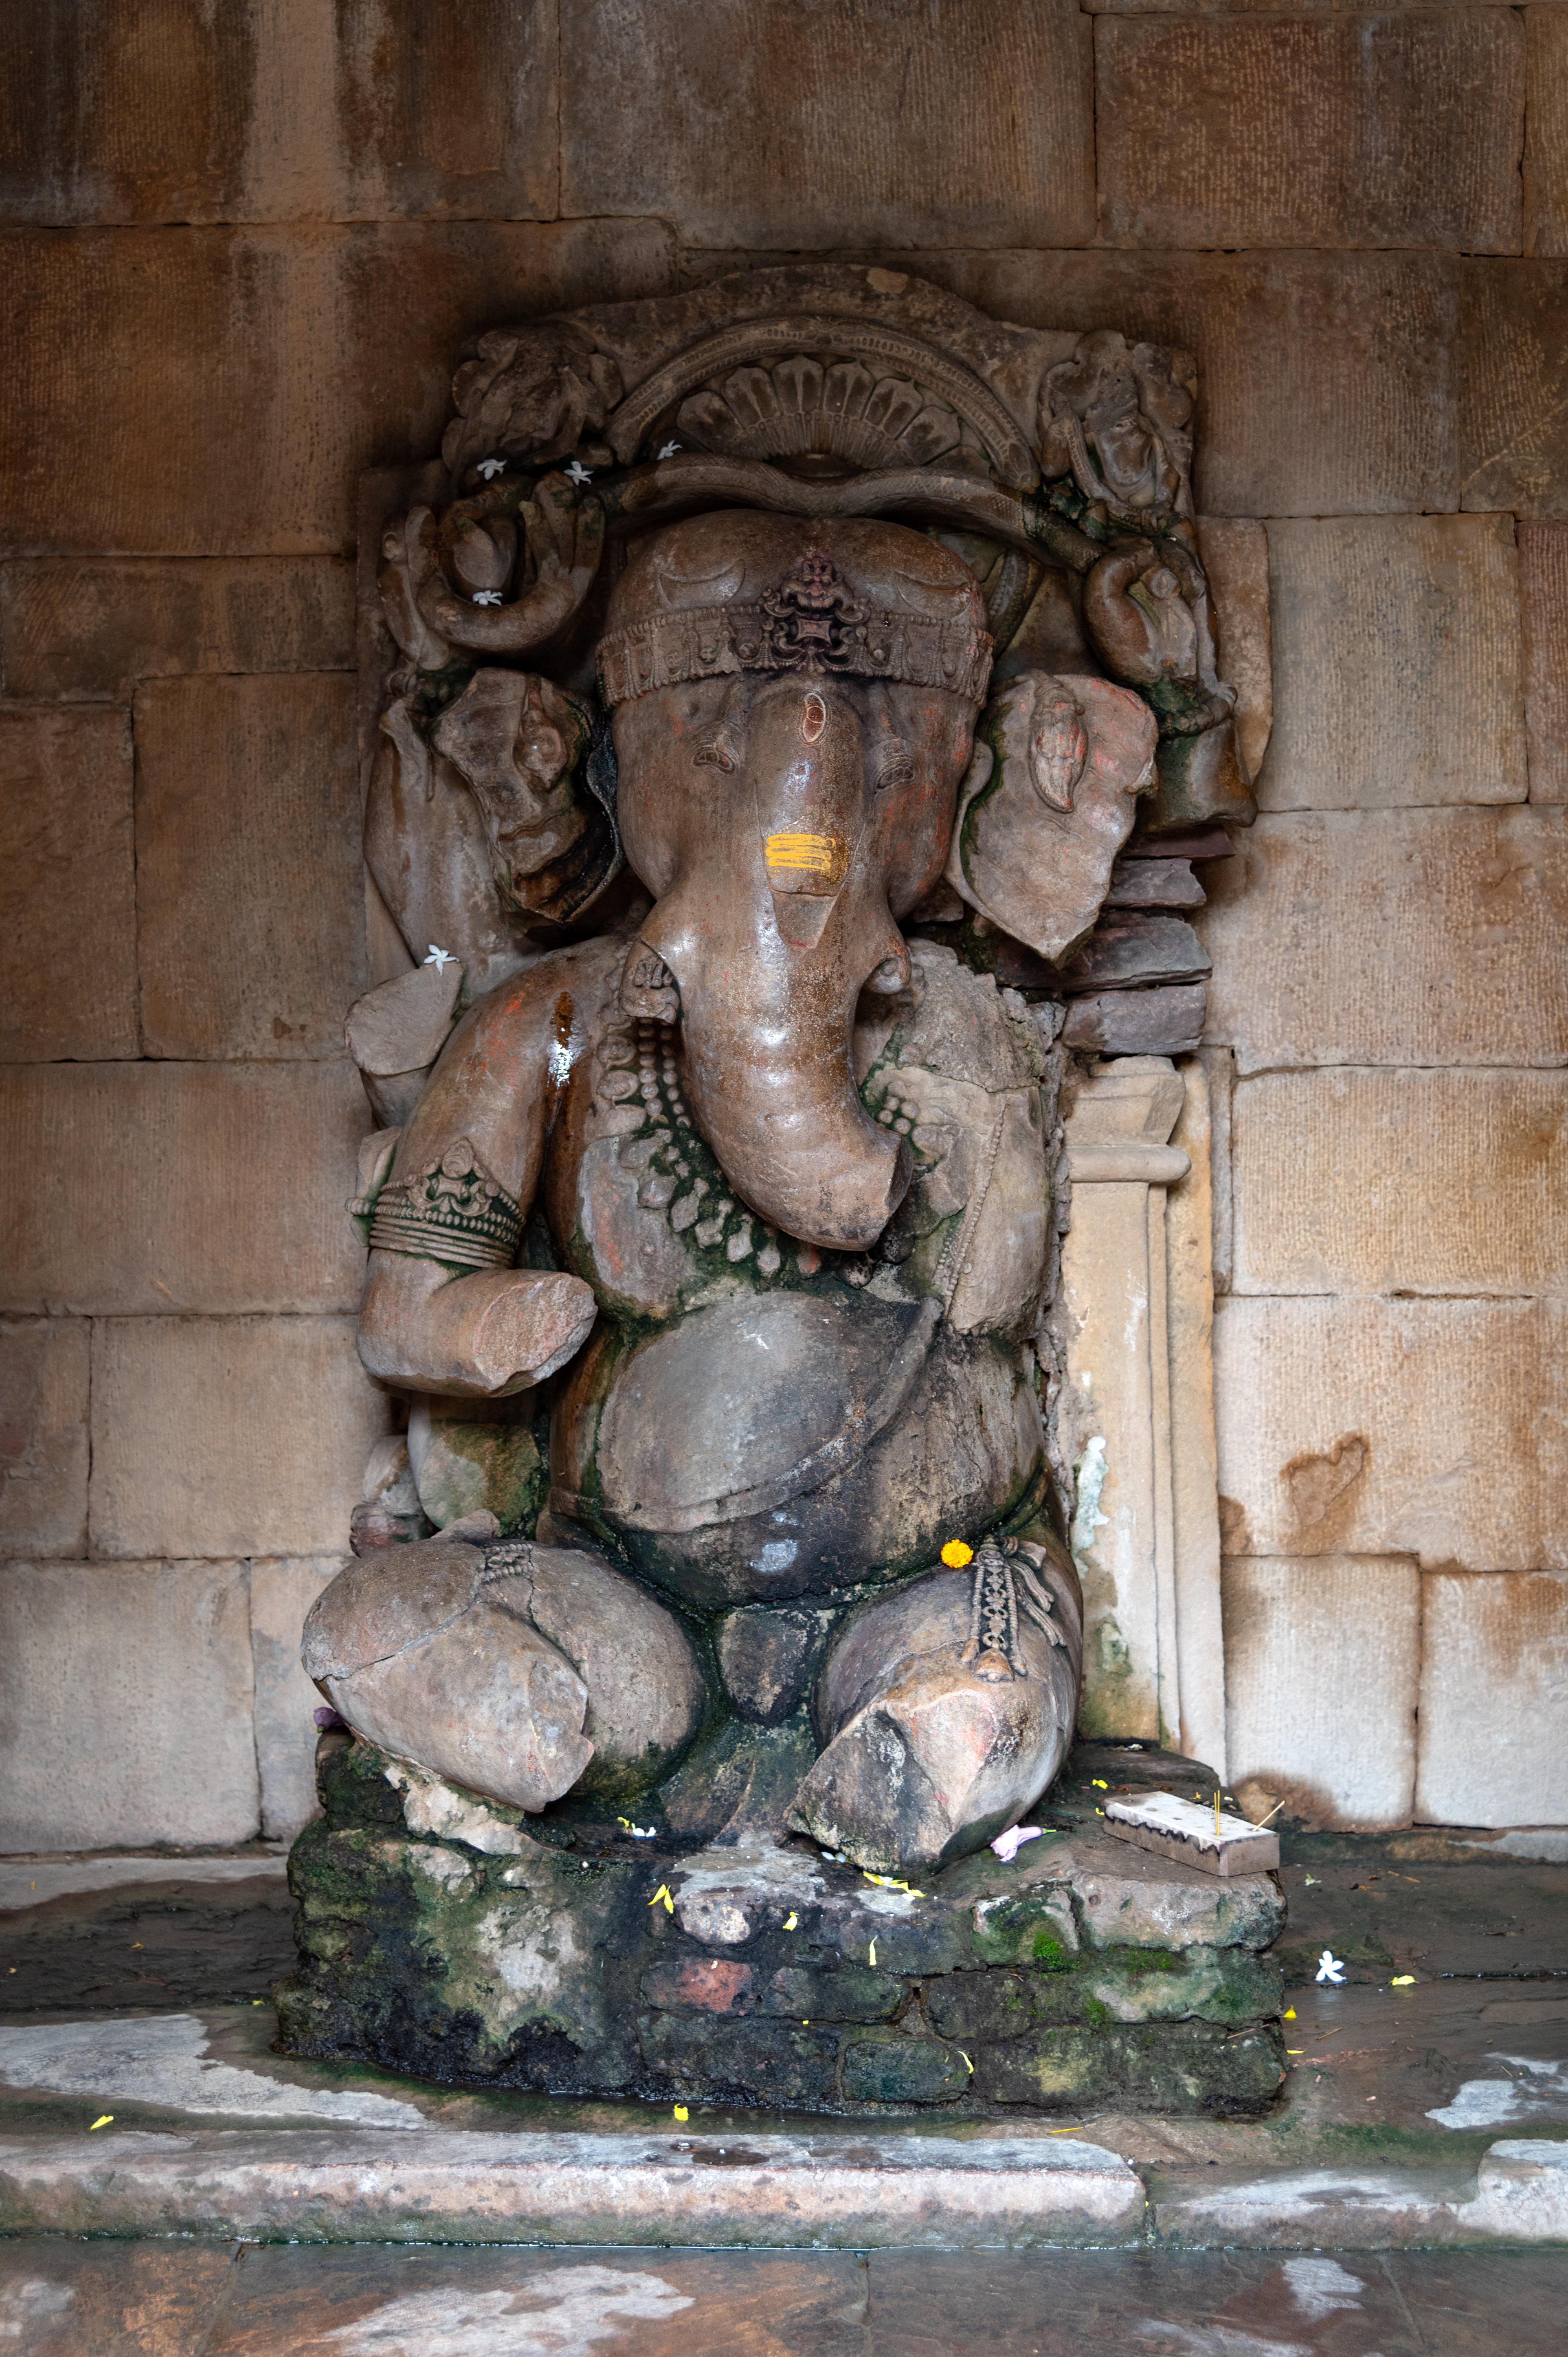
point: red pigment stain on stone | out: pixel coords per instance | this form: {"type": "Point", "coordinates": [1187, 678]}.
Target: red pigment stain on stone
{"type": "Point", "coordinates": [706, 1983]}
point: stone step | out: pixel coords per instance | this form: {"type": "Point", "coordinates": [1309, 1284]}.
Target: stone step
{"type": "Point", "coordinates": [734, 2190]}
{"type": "Point", "coordinates": [105, 1932]}
{"type": "Point", "coordinates": [27, 1882]}
{"type": "Point", "coordinates": [428, 2185]}
{"type": "Point", "coordinates": [1517, 2194]}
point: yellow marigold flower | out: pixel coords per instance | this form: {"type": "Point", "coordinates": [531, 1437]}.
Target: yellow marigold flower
{"type": "Point", "coordinates": [955, 1555]}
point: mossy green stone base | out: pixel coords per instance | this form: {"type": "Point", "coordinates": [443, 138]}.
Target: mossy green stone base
{"type": "Point", "coordinates": [449, 1939]}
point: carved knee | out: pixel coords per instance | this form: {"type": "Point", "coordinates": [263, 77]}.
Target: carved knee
{"type": "Point", "coordinates": [944, 1710]}
{"type": "Point", "coordinates": [519, 1672]}
{"type": "Point", "coordinates": [646, 1691]}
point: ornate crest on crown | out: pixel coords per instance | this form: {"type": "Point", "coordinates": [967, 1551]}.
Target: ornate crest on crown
{"type": "Point", "coordinates": [809, 622]}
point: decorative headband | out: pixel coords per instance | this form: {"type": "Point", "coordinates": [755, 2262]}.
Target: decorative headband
{"type": "Point", "coordinates": [810, 624]}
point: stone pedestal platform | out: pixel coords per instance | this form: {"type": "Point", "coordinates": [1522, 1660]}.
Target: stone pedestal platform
{"type": "Point", "coordinates": [449, 1939]}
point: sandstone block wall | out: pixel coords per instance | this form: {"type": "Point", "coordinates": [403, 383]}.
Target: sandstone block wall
{"type": "Point", "coordinates": [241, 247]}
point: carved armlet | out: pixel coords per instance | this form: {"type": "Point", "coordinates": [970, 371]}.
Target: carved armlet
{"type": "Point", "coordinates": [451, 1210]}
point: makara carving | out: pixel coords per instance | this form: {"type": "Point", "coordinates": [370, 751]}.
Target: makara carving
{"type": "Point", "coordinates": [781, 672]}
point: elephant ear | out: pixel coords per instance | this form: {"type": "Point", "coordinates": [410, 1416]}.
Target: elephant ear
{"type": "Point", "coordinates": [1048, 802]}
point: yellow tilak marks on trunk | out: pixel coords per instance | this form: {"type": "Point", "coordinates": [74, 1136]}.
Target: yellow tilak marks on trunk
{"type": "Point", "coordinates": [818, 854]}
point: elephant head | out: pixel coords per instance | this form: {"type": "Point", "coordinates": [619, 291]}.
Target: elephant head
{"type": "Point", "coordinates": [794, 708]}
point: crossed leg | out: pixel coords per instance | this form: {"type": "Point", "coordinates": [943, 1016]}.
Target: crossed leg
{"type": "Point", "coordinates": [948, 1708]}
{"type": "Point", "coordinates": [515, 1670]}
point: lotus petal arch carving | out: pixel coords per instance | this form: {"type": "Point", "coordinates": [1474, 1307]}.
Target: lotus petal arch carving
{"type": "Point", "coordinates": [892, 355]}
{"type": "Point", "coordinates": [799, 407]}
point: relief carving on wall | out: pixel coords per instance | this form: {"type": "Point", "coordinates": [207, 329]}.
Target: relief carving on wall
{"type": "Point", "coordinates": [778, 674]}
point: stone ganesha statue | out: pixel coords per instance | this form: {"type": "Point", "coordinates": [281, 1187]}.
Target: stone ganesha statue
{"type": "Point", "coordinates": [733, 1206]}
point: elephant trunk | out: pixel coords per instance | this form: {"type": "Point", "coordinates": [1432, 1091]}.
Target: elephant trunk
{"type": "Point", "coordinates": [774, 1093]}
{"type": "Point", "coordinates": [772, 932]}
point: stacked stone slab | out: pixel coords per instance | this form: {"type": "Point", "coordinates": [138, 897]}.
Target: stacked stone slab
{"type": "Point", "coordinates": [446, 1937]}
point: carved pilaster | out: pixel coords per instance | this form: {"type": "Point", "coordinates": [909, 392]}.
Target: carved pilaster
{"type": "Point", "coordinates": [1137, 1312]}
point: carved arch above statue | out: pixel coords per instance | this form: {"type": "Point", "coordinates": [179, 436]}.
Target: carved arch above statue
{"type": "Point", "coordinates": [899, 356]}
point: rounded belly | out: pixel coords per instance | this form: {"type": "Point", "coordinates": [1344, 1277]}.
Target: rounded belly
{"type": "Point", "coordinates": [789, 1444]}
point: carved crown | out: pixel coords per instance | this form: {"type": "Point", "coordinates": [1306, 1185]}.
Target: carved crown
{"type": "Point", "coordinates": [819, 392]}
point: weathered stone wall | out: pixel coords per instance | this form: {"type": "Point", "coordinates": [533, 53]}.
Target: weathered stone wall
{"type": "Point", "coordinates": [241, 246]}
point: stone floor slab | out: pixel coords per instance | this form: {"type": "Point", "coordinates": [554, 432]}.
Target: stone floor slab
{"type": "Point", "coordinates": [124, 2299]}
{"type": "Point", "coordinates": [1518, 2194]}
{"type": "Point", "coordinates": [60, 2300]}
{"type": "Point", "coordinates": [369, 2302]}
{"type": "Point", "coordinates": [34, 1882]}
{"type": "Point", "coordinates": [164, 2061]}
{"type": "Point", "coordinates": [1464, 2306]}
{"type": "Point", "coordinates": [147, 1944]}
{"type": "Point", "coordinates": [1440, 1919]}
{"type": "Point", "coordinates": [1214, 2303]}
